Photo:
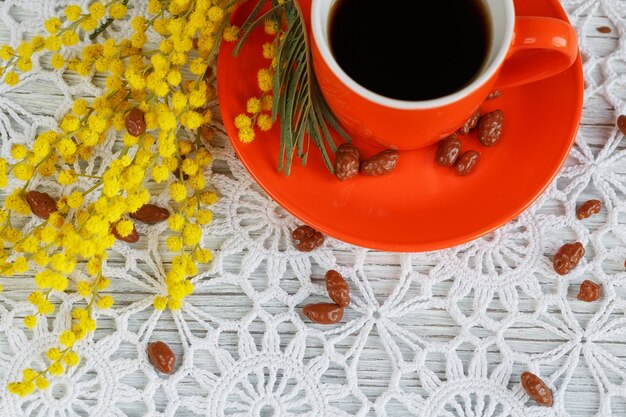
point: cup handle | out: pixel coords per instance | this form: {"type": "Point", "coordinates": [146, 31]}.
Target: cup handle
{"type": "Point", "coordinates": [541, 47]}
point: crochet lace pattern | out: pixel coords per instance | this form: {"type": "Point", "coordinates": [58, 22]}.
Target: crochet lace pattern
{"type": "Point", "coordinates": [443, 334]}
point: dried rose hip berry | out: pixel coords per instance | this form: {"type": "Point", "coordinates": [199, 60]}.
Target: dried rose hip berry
{"type": "Point", "coordinates": [466, 163]}
{"type": "Point", "coordinates": [161, 357]}
{"type": "Point", "coordinates": [380, 164]}
{"type": "Point", "coordinates": [41, 204]}
{"type": "Point", "coordinates": [133, 237]}
{"type": "Point", "coordinates": [308, 238]}
{"type": "Point", "coordinates": [151, 214]}
{"type": "Point", "coordinates": [176, 172]}
{"type": "Point", "coordinates": [135, 122]}
{"type": "Point", "coordinates": [494, 94]}
{"type": "Point", "coordinates": [537, 389]}
{"type": "Point", "coordinates": [589, 291]}
{"type": "Point", "coordinates": [568, 257]}
{"type": "Point", "coordinates": [449, 151]}
{"type": "Point", "coordinates": [347, 162]}
{"type": "Point", "coordinates": [323, 313]}
{"type": "Point", "coordinates": [337, 288]}
{"type": "Point", "coordinates": [490, 128]}
{"type": "Point", "coordinates": [471, 123]}
{"type": "Point", "coordinates": [621, 124]}
{"type": "Point", "coordinates": [588, 209]}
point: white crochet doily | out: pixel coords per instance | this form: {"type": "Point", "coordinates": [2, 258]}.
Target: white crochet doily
{"type": "Point", "coordinates": [444, 334]}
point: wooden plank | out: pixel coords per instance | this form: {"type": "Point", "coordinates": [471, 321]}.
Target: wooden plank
{"type": "Point", "coordinates": [229, 303]}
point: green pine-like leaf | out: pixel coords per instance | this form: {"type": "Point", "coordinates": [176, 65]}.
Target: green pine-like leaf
{"type": "Point", "coordinates": [298, 103]}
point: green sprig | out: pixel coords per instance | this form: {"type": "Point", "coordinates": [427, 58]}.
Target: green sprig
{"type": "Point", "coordinates": [299, 105]}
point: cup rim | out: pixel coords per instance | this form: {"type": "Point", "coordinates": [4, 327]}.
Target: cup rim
{"type": "Point", "coordinates": [319, 26]}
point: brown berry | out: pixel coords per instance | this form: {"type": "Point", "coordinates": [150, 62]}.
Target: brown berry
{"type": "Point", "coordinates": [133, 237]}
{"type": "Point", "coordinates": [537, 389]}
{"type": "Point", "coordinates": [589, 291]}
{"type": "Point", "coordinates": [490, 128]}
{"type": "Point", "coordinates": [323, 313]}
{"type": "Point", "coordinates": [347, 160]}
{"type": "Point", "coordinates": [621, 124]}
{"type": "Point", "coordinates": [568, 257]}
{"type": "Point", "coordinates": [466, 163]}
{"type": "Point", "coordinates": [177, 171]}
{"type": "Point", "coordinates": [448, 151]}
{"type": "Point", "coordinates": [135, 122]}
{"type": "Point", "coordinates": [588, 209]}
{"type": "Point", "coordinates": [471, 123]}
{"type": "Point", "coordinates": [151, 214]}
{"type": "Point", "coordinates": [41, 204]}
{"type": "Point", "coordinates": [604, 29]}
{"type": "Point", "coordinates": [161, 357]}
{"type": "Point", "coordinates": [308, 238]}
{"type": "Point", "coordinates": [380, 164]}
{"type": "Point", "coordinates": [338, 289]}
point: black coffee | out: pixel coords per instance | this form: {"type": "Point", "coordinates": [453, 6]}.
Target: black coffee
{"type": "Point", "coordinates": [411, 49]}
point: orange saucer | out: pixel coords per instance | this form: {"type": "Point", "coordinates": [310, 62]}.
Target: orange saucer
{"type": "Point", "coordinates": [420, 206]}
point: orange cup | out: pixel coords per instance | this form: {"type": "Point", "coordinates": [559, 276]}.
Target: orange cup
{"type": "Point", "coordinates": [524, 49]}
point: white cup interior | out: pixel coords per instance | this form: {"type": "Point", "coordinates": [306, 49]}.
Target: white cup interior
{"type": "Point", "coordinates": [502, 14]}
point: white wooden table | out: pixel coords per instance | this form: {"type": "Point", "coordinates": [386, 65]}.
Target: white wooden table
{"type": "Point", "coordinates": [374, 370]}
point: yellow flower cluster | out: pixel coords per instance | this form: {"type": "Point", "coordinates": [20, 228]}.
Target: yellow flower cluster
{"type": "Point", "coordinates": [258, 109]}
{"type": "Point", "coordinates": [60, 359]}
{"type": "Point", "coordinates": [21, 58]}
{"type": "Point", "coordinates": [149, 99]}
